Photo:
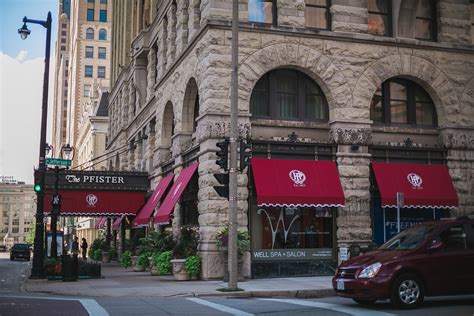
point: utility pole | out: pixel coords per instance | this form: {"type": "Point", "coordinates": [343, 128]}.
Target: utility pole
{"type": "Point", "coordinates": [233, 150]}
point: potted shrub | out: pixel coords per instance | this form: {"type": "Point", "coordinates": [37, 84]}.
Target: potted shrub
{"type": "Point", "coordinates": [126, 260]}
{"type": "Point", "coordinates": [53, 268]}
{"type": "Point", "coordinates": [243, 245]}
{"type": "Point", "coordinates": [185, 246]}
{"type": "Point", "coordinates": [142, 262]}
{"type": "Point", "coordinates": [192, 264]}
{"type": "Point", "coordinates": [163, 263]}
{"type": "Point", "coordinates": [105, 252]}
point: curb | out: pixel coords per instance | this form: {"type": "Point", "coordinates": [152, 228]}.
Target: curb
{"type": "Point", "coordinates": [314, 293]}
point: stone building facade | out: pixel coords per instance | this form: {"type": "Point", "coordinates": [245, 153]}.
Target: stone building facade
{"type": "Point", "coordinates": [170, 97]}
{"type": "Point", "coordinates": [17, 210]}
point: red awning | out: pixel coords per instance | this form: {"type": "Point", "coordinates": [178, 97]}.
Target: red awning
{"type": "Point", "coordinates": [97, 203]}
{"type": "Point", "coordinates": [297, 183]}
{"type": "Point", "coordinates": [162, 216]}
{"type": "Point", "coordinates": [117, 222]}
{"type": "Point", "coordinates": [100, 222]}
{"type": "Point", "coordinates": [143, 216]}
{"type": "Point", "coordinates": [423, 185]}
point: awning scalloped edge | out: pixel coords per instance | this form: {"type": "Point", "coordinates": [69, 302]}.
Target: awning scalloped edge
{"type": "Point", "coordinates": [300, 205]}
{"type": "Point", "coordinates": [88, 214]}
{"type": "Point", "coordinates": [421, 206]}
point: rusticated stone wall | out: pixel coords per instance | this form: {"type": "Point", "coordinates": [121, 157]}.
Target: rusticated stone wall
{"type": "Point", "coordinates": [347, 68]}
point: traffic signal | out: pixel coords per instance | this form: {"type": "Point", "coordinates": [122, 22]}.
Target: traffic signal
{"type": "Point", "coordinates": [37, 187]}
{"type": "Point", "coordinates": [223, 189]}
{"type": "Point", "coordinates": [245, 153]}
{"type": "Point", "coordinates": [223, 154]}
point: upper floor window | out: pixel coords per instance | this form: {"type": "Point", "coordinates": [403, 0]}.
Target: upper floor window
{"type": "Point", "coordinates": [102, 35]}
{"type": "Point", "coordinates": [90, 14]}
{"type": "Point", "coordinates": [262, 11]}
{"type": "Point", "coordinates": [91, 1]}
{"type": "Point", "coordinates": [425, 23]}
{"type": "Point", "coordinates": [102, 53]}
{"type": "Point", "coordinates": [101, 72]}
{"type": "Point", "coordinates": [103, 16]}
{"type": "Point", "coordinates": [103, 1]}
{"type": "Point", "coordinates": [90, 33]}
{"type": "Point", "coordinates": [287, 94]}
{"type": "Point", "coordinates": [380, 17]}
{"type": "Point", "coordinates": [88, 71]}
{"type": "Point", "coordinates": [89, 52]}
{"type": "Point", "coordinates": [87, 90]}
{"type": "Point", "coordinates": [401, 101]}
{"type": "Point", "coordinates": [317, 14]}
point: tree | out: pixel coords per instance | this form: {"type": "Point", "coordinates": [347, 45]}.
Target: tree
{"type": "Point", "coordinates": [30, 235]}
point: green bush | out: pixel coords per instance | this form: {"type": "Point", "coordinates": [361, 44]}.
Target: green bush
{"type": "Point", "coordinates": [98, 246]}
{"type": "Point", "coordinates": [126, 260]}
{"type": "Point", "coordinates": [113, 254]}
{"type": "Point", "coordinates": [243, 240]}
{"type": "Point", "coordinates": [163, 262]}
{"type": "Point", "coordinates": [155, 242]}
{"type": "Point", "coordinates": [95, 254]}
{"type": "Point", "coordinates": [187, 243]}
{"type": "Point", "coordinates": [193, 265]}
{"type": "Point", "coordinates": [143, 261]}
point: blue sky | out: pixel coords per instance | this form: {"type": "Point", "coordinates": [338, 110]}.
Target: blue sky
{"type": "Point", "coordinates": [21, 84]}
{"type": "Point", "coordinates": [11, 16]}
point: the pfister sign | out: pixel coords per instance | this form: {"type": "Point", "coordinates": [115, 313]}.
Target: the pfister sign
{"type": "Point", "coordinates": [102, 180]}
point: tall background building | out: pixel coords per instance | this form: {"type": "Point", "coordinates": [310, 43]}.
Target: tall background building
{"type": "Point", "coordinates": [81, 82]}
{"type": "Point", "coordinates": [17, 210]}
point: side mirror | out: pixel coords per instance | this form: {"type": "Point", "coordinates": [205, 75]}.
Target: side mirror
{"type": "Point", "coordinates": [439, 245]}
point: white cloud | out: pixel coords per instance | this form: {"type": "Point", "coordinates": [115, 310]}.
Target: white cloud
{"type": "Point", "coordinates": [21, 86]}
{"type": "Point", "coordinates": [22, 56]}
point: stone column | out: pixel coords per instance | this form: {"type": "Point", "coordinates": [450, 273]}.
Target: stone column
{"type": "Point", "coordinates": [182, 27]}
{"type": "Point", "coordinates": [131, 102]}
{"type": "Point", "coordinates": [150, 148]}
{"type": "Point", "coordinates": [194, 17]}
{"type": "Point", "coordinates": [172, 34]}
{"type": "Point", "coordinates": [353, 160]}
{"type": "Point", "coordinates": [291, 13]}
{"type": "Point", "coordinates": [164, 45]}
{"type": "Point", "coordinates": [460, 145]}
{"type": "Point", "coordinates": [151, 72]}
{"type": "Point", "coordinates": [125, 105]}
{"type": "Point", "coordinates": [454, 21]}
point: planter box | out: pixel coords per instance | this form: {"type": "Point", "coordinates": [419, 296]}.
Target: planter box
{"type": "Point", "coordinates": [105, 257]}
{"type": "Point", "coordinates": [179, 272]}
{"type": "Point", "coordinates": [153, 270]}
{"type": "Point", "coordinates": [135, 266]}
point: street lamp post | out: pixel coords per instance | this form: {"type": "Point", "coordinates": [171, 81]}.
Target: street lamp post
{"type": "Point", "coordinates": [37, 271]}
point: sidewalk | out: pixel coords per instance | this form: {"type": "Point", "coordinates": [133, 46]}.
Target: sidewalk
{"type": "Point", "coordinates": [119, 282]}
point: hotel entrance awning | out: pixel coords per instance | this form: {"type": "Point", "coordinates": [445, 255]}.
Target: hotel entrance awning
{"type": "Point", "coordinates": [143, 216]}
{"type": "Point", "coordinates": [297, 183]}
{"type": "Point", "coordinates": [162, 215]}
{"type": "Point", "coordinates": [97, 203]}
{"type": "Point", "coordinates": [428, 186]}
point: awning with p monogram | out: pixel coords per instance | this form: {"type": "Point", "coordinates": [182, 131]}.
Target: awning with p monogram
{"type": "Point", "coordinates": [297, 183]}
{"type": "Point", "coordinates": [428, 186]}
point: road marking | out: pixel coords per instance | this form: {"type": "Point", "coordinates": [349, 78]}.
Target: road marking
{"type": "Point", "coordinates": [338, 308]}
{"type": "Point", "coordinates": [91, 306]}
{"type": "Point", "coordinates": [220, 307]}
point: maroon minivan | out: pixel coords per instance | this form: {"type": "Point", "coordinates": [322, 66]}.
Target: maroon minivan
{"type": "Point", "coordinates": [429, 259]}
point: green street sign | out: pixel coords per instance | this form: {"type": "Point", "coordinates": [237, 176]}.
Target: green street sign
{"type": "Point", "coordinates": [58, 162]}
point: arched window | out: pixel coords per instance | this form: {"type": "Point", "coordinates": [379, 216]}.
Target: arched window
{"type": "Point", "coordinates": [102, 35]}
{"type": "Point", "coordinates": [90, 33]}
{"type": "Point", "coordinates": [287, 94]}
{"type": "Point", "coordinates": [401, 101]}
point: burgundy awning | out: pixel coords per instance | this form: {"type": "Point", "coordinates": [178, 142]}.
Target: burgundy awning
{"type": "Point", "coordinates": [297, 183]}
{"type": "Point", "coordinates": [162, 216]}
{"type": "Point", "coordinates": [422, 185]}
{"type": "Point", "coordinates": [97, 203]}
{"type": "Point", "coordinates": [143, 216]}
{"type": "Point", "coordinates": [117, 222]}
{"type": "Point", "coordinates": [100, 222]}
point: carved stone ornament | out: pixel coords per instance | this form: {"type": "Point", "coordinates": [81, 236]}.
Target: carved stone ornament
{"type": "Point", "coordinates": [180, 145]}
{"type": "Point", "coordinates": [351, 136]}
{"type": "Point", "coordinates": [221, 130]}
{"type": "Point", "coordinates": [458, 140]}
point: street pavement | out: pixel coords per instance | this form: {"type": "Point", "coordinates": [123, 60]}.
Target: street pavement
{"type": "Point", "coordinates": [123, 292]}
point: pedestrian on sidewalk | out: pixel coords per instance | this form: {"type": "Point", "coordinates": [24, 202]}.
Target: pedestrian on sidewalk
{"type": "Point", "coordinates": [75, 246]}
{"type": "Point", "coordinates": [84, 248]}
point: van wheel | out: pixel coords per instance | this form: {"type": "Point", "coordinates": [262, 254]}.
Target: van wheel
{"type": "Point", "coordinates": [364, 302]}
{"type": "Point", "coordinates": [407, 291]}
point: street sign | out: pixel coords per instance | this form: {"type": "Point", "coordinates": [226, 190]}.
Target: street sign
{"type": "Point", "coordinates": [58, 162]}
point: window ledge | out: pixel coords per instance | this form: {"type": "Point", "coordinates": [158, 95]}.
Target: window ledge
{"type": "Point", "coordinates": [285, 123]}
{"type": "Point", "coordinates": [404, 129]}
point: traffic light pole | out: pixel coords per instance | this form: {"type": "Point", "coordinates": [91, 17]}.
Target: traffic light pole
{"type": "Point", "coordinates": [232, 251]}
{"type": "Point", "coordinates": [37, 271]}
{"type": "Point", "coordinates": [54, 216]}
